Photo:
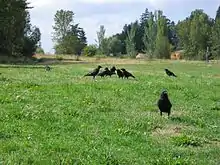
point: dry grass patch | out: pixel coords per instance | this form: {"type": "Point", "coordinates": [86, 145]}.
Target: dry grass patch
{"type": "Point", "coordinates": [176, 113]}
{"type": "Point", "coordinates": [216, 76]}
{"type": "Point", "coordinates": [215, 142]}
{"type": "Point", "coordinates": [103, 60]}
{"type": "Point", "coordinates": [168, 131]}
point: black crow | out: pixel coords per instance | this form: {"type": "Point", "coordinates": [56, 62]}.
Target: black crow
{"type": "Point", "coordinates": [164, 103]}
{"type": "Point", "coordinates": [126, 73]}
{"type": "Point", "coordinates": [106, 72]}
{"type": "Point", "coordinates": [113, 69]}
{"type": "Point", "coordinates": [47, 68]}
{"type": "Point", "coordinates": [119, 73]}
{"type": "Point", "coordinates": [169, 73]}
{"type": "Point", "coordinates": [94, 72]}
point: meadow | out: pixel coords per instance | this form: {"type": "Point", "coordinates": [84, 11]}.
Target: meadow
{"type": "Point", "coordinates": [61, 117]}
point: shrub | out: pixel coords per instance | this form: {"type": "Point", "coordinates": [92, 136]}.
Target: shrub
{"type": "Point", "coordinates": [90, 50]}
{"type": "Point", "coordinates": [59, 58]}
{"type": "Point", "coordinates": [40, 50]}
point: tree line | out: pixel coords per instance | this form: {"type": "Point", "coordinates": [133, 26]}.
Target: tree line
{"type": "Point", "coordinates": [17, 36]}
{"type": "Point", "coordinates": [157, 36]}
{"type": "Point", "coordinates": [153, 34]}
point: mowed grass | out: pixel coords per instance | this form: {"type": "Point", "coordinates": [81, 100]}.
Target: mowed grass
{"type": "Point", "coordinates": [61, 117]}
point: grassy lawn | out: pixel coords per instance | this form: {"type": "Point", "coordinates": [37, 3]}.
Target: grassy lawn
{"type": "Point", "coordinates": [61, 117]}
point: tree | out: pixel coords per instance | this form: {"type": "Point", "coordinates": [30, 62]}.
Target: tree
{"type": "Point", "coordinates": [140, 34]}
{"type": "Point", "coordinates": [150, 32]}
{"type": "Point", "coordinates": [115, 45]}
{"type": "Point", "coordinates": [217, 14]}
{"type": "Point", "coordinates": [122, 37]}
{"type": "Point", "coordinates": [139, 45]}
{"type": "Point", "coordinates": [63, 23]}
{"type": "Point", "coordinates": [82, 40]}
{"type": "Point", "coordinates": [158, 36]}
{"type": "Point", "coordinates": [90, 50]}
{"type": "Point", "coordinates": [195, 34]}
{"type": "Point", "coordinates": [102, 44]}
{"type": "Point", "coordinates": [130, 43]}
{"type": "Point", "coordinates": [183, 33]}
{"type": "Point", "coordinates": [162, 47]}
{"type": "Point", "coordinates": [18, 36]}
{"type": "Point", "coordinates": [31, 40]}
{"type": "Point", "coordinates": [144, 18]}
{"type": "Point", "coordinates": [40, 50]}
{"type": "Point", "coordinates": [69, 38]}
{"type": "Point", "coordinates": [200, 31]}
{"type": "Point", "coordinates": [215, 48]}
{"type": "Point", "coordinates": [172, 34]}
{"type": "Point", "coordinates": [68, 45]}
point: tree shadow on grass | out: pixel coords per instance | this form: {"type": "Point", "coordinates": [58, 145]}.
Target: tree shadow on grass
{"type": "Point", "coordinates": [35, 63]}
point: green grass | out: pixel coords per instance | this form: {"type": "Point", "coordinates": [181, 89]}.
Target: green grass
{"type": "Point", "coordinates": [60, 117]}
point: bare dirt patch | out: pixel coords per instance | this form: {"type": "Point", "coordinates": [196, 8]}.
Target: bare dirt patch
{"type": "Point", "coordinates": [168, 131]}
{"type": "Point", "coordinates": [215, 142]}
{"type": "Point", "coordinates": [216, 76]}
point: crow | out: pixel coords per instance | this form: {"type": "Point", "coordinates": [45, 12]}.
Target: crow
{"type": "Point", "coordinates": [47, 68]}
{"type": "Point", "coordinates": [112, 70]}
{"type": "Point", "coordinates": [169, 73]}
{"type": "Point", "coordinates": [94, 72]}
{"type": "Point", "coordinates": [119, 73]}
{"type": "Point", "coordinates": [164, 103]}
{"type": "Point", "coordinates": [106, 72]}
{"type": "Point", "coordinates": [126, 73]}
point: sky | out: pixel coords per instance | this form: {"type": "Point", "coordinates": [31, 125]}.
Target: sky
{"type": "Point", "coordinates": [113, 14]}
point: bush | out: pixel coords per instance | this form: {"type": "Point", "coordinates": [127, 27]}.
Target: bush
{"type": "Point", "coordinates": [39, 50]}
{"type": "Point", "coordinates": [59, 58]}
{"type": "Point", "coordinates": [90, 50]}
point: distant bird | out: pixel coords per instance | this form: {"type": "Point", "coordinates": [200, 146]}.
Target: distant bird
{"type": "Point", "coordinates": [164, 103]}
{"type": "Point", "coordinates": [94, 72]}
{"type": "Point", "coordinates": [112, 70]}
{"type": "Point", "coordinates": [119, 73]}
{"type": "Point", "coordinates": [47, 68]}
{"type": "Point", "coordinates": [169, 73]}
{"type": "Point", "coordinates": [106, 72]}
{"type": "Point", "coordinates": [126, 73]}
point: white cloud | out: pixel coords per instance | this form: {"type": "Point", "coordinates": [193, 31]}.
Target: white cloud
{"type": "Point", "coordinates": [67, 3]}
{"type": "Point", "coordinates": [42, 3]}
{"type": "Point", "coordinates": [112, 1]}
{"type": "Point", "coordinates": [159, 3]}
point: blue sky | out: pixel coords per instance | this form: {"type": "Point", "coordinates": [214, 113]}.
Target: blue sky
{"type": "Point", "coordinates": [113, 14]}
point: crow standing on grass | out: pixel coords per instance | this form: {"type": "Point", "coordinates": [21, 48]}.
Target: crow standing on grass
{"type": "Point", "coordinates": [169, 73]}
{"type": "Point", "coordinates": [119, 73]}
{"type": "Point", "coordinates": [126, 73]}
{"type": "Point", "coordinates": [106, 72]}
{"type": "Point", "coordinates": [47, 68]}
{"type": "Point", "coordinates": [112, 70]}
{"type": "Point", "coordinates": [164, 103]}
{"type": "Point", "coordinates": [94, 72]}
